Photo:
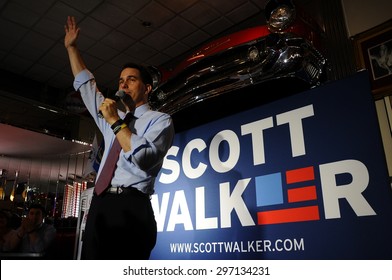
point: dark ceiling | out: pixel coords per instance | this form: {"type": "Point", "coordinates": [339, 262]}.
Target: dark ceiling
{"type": "Point", "coordinates": [113, 32]}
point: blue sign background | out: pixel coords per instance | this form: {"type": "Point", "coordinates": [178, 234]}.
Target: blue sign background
{"type": "Point", "coordinates": [344, 127]}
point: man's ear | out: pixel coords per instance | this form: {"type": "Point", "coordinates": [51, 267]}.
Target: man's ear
{"type": "Point", "coordinates": [148, 89]}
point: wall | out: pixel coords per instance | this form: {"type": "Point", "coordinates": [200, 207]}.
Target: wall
{"type": "Point", "coordinates": [365, 14]}
{"type": "Point", "coordinates": [361, 16]}
{"type": "Point", "coordinates": [384, 113]}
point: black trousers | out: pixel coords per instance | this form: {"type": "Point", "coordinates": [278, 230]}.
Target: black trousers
{"type": "Point", "coordinates": [119, 227]}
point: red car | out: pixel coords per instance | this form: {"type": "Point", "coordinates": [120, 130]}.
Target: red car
{"type": "Point", "coordinates": [286, 48]}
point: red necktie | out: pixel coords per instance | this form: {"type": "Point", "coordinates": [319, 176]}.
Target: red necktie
{"type": "Point", "coordinates": [107, 171]}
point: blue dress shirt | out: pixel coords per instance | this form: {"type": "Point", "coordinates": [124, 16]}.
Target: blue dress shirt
{"type": "Point", "coordinates": [152, 136]}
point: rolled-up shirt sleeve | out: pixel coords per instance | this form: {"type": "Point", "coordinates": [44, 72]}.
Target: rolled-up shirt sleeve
{"type": "Point", "coordinates": [152, 136]}
{"type": "Point", "coordinates": [85, 83]}
{"type": "Point", "coordinates": [82, 78]}
{"type": "Point", "coordinates": [148, 150]}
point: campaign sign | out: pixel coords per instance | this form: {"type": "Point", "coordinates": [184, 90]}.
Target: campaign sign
{"type": "Point", "coordinates": [303, 177]}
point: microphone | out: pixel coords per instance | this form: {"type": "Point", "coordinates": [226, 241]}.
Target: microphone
{"type": "Point", "coordinates": [118, 96]}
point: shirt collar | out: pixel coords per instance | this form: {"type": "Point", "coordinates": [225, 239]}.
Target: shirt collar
{"type": "Point", "coordinates": [140, 110]}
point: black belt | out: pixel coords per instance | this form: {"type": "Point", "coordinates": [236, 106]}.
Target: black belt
{"type": "Point", "coordinates": [125, 190]}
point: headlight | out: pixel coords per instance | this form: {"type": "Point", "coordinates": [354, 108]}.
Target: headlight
{"type": "Point", "coordinates": [280, 15]}
{"type": "Point", "coordinates": [253, 54]}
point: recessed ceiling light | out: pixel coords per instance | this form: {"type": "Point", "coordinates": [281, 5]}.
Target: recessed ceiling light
{"type": "Point", "coordinates": [146, 23]}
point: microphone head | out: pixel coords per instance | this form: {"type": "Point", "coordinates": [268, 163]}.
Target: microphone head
{"type": "Point", "coordinates": [120, 94]}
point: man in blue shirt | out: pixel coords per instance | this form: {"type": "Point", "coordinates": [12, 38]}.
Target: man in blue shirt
{"type": "Point", "coordinates": [120, 221]}
{"type": "Point", "coordinates": [34, 235]}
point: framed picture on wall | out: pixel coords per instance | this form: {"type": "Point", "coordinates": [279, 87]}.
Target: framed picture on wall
{"type": "Point", "coordinates": [373, 50]}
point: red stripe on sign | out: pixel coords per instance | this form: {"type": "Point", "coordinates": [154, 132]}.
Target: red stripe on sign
{"type": "Point", "coordinates": [300, 175]}
{"type": "Point", "coordinates": [302, 194]}
{"type": "Point", "coordinates": [300, 214]}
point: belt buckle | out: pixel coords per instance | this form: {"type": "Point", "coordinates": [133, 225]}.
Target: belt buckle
{"type": "Point", "coordinates": [119, 190]}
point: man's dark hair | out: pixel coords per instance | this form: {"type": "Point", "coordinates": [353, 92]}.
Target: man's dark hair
{"type": "Point", "coordinates": [38, 206]}
{"type": "Point", "coordinates": [144, 73]}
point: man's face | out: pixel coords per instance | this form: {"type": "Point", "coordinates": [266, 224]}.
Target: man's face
{"type": "Point", "coordinates": [131, 83]}
{"type": "Point", "coordinates": [36, 216]}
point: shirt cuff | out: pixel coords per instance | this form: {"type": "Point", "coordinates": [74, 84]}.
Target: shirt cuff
{"type": "Point", "coordinates": [81, 78]}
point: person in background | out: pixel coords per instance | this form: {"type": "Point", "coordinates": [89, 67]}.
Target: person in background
{"type": "Point", "coordinates": [34, 235]}
{"type": "Point", "coordinates": [8, 238]}
{"type": "Point", "coordinates": [120, 222]}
